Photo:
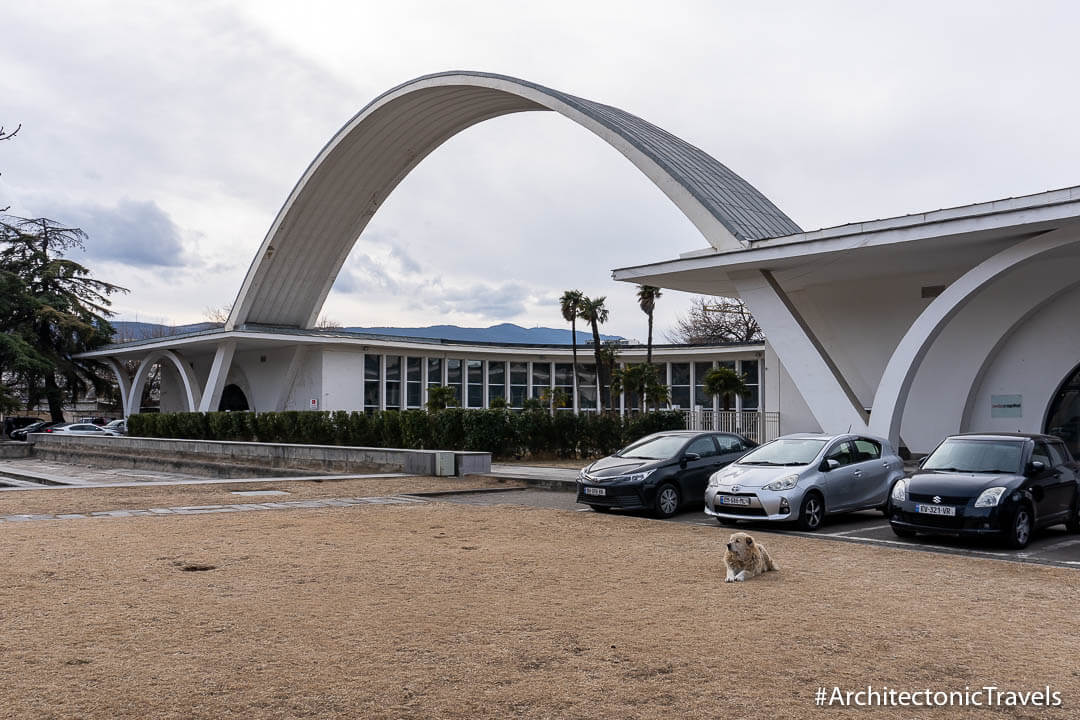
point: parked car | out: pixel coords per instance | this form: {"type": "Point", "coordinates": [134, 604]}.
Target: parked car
{"type": "Point", "coordinates": [80, 429]}
{"type": "Point", "coordinates": [16, 422]}
{"type": "Point", "coordinates": [803, 478]}
{"type": "Point", "coordinates": [1003, 485]}
{"type": "Point", "coordinates": [39, 426]}
{"type": "Point", "coordinates": [118, 426]}
{"type": "Point", "coordinates": [661, 472]}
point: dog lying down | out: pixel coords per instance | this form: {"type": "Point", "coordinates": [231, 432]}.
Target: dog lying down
{"type": "Point", "coordinates": [745, 558]}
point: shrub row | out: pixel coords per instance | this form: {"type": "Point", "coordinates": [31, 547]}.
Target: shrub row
{"type": "Point", "coordinates": [501, 432]}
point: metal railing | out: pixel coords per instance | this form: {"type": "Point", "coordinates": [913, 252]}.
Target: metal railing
{"type": "Point", "coordinates": [758, 426]}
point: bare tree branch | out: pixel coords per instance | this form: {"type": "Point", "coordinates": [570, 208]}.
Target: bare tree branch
{"type": "Point", "coordinates": [715, 320]}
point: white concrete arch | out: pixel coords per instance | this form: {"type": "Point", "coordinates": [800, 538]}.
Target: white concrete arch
{"type": "Point", "coordinates": [122, 380]}
{"type": "Point", "coordinates": [192, 393]}
{"type": "Point", "coordinates": [990, 358]}
{"type": "Point", "coordinates": [1046, 348]}
{"type": "Point", "coordinates": [894, 387]}
{"type": "Point", "coordinates": [344, 186]}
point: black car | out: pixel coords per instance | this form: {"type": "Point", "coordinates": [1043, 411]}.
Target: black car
{"type": "Point", "coordinates": [1003, 485]}
{"type": "Point", "coordinates": [39, 426]}
{"type": "Point", "coordinates": [14, 422]}
{"type": "Point", "coordinates": [660, 472]}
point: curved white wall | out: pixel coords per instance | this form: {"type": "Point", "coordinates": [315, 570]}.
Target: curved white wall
{"type": "Point", "coordinates": [1032, 362]}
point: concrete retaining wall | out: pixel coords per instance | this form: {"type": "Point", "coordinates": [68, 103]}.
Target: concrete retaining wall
{"type": "Point", "coordinates": [246, 459]}
{"type": "Point", "coordinates": [13, 449]}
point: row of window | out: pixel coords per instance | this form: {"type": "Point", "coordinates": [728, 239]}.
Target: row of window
{"type": "Point", "coordinates": [404, 379]}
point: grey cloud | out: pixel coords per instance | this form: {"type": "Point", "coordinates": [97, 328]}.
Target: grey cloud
{"type": "Point", "coordinates": [132, 233]}
{"type": "Point", "coordinates": [495, 302]}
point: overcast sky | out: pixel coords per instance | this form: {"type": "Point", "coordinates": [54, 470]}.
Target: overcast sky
{"type": "Point", "coordinates": [173, 132]}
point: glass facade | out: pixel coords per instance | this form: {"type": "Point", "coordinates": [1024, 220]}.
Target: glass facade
{"type": "Point", "coordinates": [752, 399]}
{"type": "Point", "coordinates": [397, 382]}
{"type": "Point", "coordinates": [564, 380]}
{"type": "Point", "coordinates": [413, 391]}
{"type": "Point", "coordinates": [519, 383]}
{"type": "Point", "coordinates": [541, 378]}
{"type": "Point", "coordinates": [393, 382]}
{"type": "Point", "coordinates": [701, 399]}
{"type": "Point", "coordinates": [680, 385]}
{"type": "Point", "coordinates": [496, 380]}
{"type": "Point", "coordinates": [454, 377]}
{"type": "Point", "coordinates": [371, 382]}
{"type": "Point", "coordinates": [587, 386]}
{"type": "Point", "coordinates": [475, 378]}
{"type": "Point", "coordinates": [434, 372]}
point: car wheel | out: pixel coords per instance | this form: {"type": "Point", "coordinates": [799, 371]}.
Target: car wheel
{"type": "Point", "coordinates": [811, 512]}
{"type": "Point", "coordinates": [1073, 523]}
{"type": "Point", "coordinates": [903, 533]}
{"type": "Point", "coordinates": [667, 500]}
{"type": "Point", "coordinates": [600, 508]}
{"type": "Point", "coordinates": [1018, 531]}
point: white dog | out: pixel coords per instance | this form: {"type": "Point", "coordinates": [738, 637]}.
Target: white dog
{"type": "Point", "coordinates": [745, 558]}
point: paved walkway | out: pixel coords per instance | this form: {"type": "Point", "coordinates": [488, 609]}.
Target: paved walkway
{"type": "Point", "coordinates": [211, 509]}
{"type": "Point", "coordinates": [40, 475]}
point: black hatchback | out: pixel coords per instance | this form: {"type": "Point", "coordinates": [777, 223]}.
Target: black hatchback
{"type": "Point", "coordinates": [1003, 485]}
{"type": "Point", "coordinates": [660, 472]}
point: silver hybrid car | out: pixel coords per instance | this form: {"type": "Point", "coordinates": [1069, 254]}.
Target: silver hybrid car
{"type": "Point", "coordinates": [804, 477]}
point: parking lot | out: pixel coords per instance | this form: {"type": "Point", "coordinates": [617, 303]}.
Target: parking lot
{"type": "Point", "coordinates": [1052, 546]}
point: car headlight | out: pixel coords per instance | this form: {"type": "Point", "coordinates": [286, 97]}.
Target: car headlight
{"type": "Point", "coordinates": [785, 483]}
{"type": "Point", "coordinates": [899, 490]}
{"type": "Point", "coordinates": [635, 477]}
{"type": "Point", "coordinates": [990, 497]}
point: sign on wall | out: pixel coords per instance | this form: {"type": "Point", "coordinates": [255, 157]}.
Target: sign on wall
{"type": "Point", "coordinates": [314, 403]}
{"type": "Point", "coordinates": [1006, 406]}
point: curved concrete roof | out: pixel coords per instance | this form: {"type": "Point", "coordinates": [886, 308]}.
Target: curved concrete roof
{"type": "Point", "coordinates": [354, 173]}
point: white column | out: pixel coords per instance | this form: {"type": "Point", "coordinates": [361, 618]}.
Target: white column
{"type": "Point", "coordinates": [827, 393]}
{"type": "Point", "coordinates": [219, 371]}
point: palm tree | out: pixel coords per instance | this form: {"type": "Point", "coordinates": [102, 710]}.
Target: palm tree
{"type": "Point", "coordinates": [570, 304]}
{"type": "Point", "coordinates": [726, 383]}
{"type": "Point", "coordinates": [596, 314]}
{"type": "Point", "coordinates": [646, 298]}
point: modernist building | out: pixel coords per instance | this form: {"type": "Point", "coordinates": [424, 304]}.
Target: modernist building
{"type": "Point", "coordinates": [911, 328]}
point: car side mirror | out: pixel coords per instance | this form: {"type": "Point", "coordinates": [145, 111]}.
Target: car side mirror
{"type": "Point", "coordinates": [1035, 467]}
{"type": "Point", "coordinates": [829, 464]}
{"type": "Point", "coordinates": [691, 457]}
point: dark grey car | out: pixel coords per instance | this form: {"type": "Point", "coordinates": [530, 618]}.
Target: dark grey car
{"type": "Point", "coordinates": [661, 472]}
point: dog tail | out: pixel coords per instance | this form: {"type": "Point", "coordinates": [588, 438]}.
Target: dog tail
{"type": "Point", "coordinates": [769, 564]}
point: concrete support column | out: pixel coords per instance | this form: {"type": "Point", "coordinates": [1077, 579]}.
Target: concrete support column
{"type": "Point", "coordinates": [219, 370]}
{"type": "Point", "coordinates": [123, 381]}
{"type": "Point", "coordinates": [299, 356]}
{"type": "Point", "coordinates": [831, 400]}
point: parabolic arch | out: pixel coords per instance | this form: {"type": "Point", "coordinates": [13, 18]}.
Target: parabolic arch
{"type": "Point", "coordinates": [341, 190]}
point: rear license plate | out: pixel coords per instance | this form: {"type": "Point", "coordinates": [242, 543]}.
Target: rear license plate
{"type": "Point", "coordinates": [733, 500]}
{"type": "Point", "coordinates": [595, 491]}
{"type": "Point", "coordinates": [936, 510]}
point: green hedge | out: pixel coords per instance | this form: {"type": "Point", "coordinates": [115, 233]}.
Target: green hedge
{"type": "Point", "coordinates": [501, 432]}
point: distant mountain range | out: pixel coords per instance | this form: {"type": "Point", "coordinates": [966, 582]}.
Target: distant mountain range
{"type": "Point", "coordinates": [502, 333]}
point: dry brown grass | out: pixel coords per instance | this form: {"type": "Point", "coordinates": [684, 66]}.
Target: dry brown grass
{"type": "Point", "coordinates": [83, 500]}
{"type": "Point", "coordinates": [451, 611]}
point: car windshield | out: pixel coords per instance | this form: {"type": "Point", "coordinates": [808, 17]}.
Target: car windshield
{"type": "Point", "coordinates": [980, 456]}
{"type": "Point", "coordinates": [657, 448]}
{"type": "Point", "coordinates": [785, 451]}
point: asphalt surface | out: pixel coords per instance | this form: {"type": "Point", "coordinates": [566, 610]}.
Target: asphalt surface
{"type": "Point", "coordinates": [1051, 546]}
